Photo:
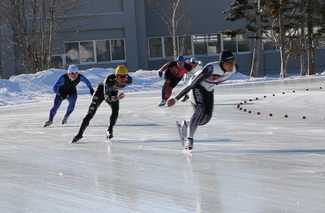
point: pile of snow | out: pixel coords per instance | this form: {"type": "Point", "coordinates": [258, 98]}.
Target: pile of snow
{"type": "Point", "coordinates": [31, 88]}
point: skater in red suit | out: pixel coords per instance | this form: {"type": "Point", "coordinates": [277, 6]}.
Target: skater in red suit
{"type": "Point", "coordinates": [202, 86]}
{"type": "Point", "coordinates": [108, 91]}
{"type": "Point", "coordinates": [174, 71]}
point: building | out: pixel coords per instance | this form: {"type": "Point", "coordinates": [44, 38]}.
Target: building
{"type": "Point", "coordinates": [130, 32]}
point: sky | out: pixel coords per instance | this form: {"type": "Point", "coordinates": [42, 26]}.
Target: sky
{"type": "Point", "coordinates": [262, 151]}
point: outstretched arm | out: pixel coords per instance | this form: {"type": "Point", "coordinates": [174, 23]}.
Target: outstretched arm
{"type": "Point", "coordinates": [199, 77]}
{"type": "Point", "coordinates": [57, 85]}
{"type": "Point", "coordinates": [162, 69]}
{"type": "Point", "coordinates": [87, 82]}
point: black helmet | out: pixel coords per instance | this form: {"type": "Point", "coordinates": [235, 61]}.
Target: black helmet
{"type": "Point", "coordinates": [226, 55]}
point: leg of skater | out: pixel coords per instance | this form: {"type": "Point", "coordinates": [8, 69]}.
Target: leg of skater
{"type": "Point", "coordinates": [53, 111]}
{"type": "Point", "coordinates": [72, 103]}
{"type": "Point", "coordinates": [95, 103]}
{"type": "Point", "coordinates": [115, 106]}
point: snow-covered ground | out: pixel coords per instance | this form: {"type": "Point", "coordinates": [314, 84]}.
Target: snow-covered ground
{"type": "Point", "coordinates": [263, 150]}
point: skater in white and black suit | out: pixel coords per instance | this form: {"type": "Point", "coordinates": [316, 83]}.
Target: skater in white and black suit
{"type": "Point", "coordinates": [202, 86]}
{"type": "Point", "coordinates": [108, 91]}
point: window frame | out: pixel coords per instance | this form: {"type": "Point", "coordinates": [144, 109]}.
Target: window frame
{"type": "Point", "coordinates": [78, 59]}
{"type": "Point", "coordinates": [163, 54]}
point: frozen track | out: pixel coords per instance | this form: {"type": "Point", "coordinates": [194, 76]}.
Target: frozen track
{"type": "Point", "coordinates": [241, 162]}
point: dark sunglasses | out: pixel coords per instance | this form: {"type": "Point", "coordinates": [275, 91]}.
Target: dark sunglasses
{"type": "Point", "coordinates": [122, 76]}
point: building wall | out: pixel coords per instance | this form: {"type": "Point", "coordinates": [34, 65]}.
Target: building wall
{"type": "Point", "coordinates": [207, 18]}
{"type": "Point", "coordinates": [123, 19]}
{"type": "Point", "coordinates": [136, 21]}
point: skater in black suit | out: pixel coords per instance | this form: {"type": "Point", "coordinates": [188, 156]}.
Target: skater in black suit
{"type": "Point", "coordinates": [108, 91]}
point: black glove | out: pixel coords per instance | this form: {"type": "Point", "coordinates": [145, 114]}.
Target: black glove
{"type": "Point", "coordinates": [63, 96]}
{"type": "Point", "coordinates": [91, 91]}
{"type": "Point", "coordinates": [185, 98]}
{"type": "Point", "coordinates": [160, 73]}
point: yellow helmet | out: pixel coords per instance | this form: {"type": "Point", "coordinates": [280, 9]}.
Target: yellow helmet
{"type": "Point", "coordinates": [121, 70]}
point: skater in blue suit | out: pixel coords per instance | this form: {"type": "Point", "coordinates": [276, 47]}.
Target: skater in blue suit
{"type": "Point", "coordinates": [65, 88]}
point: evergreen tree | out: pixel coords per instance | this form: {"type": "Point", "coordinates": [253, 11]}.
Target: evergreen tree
{"type": "Point", "coordinates": [251, 12]}
{"type": "Point", "coordinates": [292, 25]}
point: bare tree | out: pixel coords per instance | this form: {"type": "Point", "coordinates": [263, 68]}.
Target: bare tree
{"type": "Point", "coordinates": [172, 12]}
{"type": "Point", "coordinates": [33, 28]}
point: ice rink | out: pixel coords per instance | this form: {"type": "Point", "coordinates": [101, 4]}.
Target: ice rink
{"type": "Point", "coordinates": [262, 152]}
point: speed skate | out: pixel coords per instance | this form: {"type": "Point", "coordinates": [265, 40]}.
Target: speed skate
{"type": "Point", "coordinates": [109, 136]}
{"type": "Point", "coordinates": [181, 128]}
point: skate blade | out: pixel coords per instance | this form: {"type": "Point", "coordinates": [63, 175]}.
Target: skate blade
{"type": "Point", "coordinates": [109, 137]}
{"type": "Point", "coordinates": [187, 151]}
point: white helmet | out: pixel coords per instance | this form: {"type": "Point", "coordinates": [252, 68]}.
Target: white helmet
{"type": "Point", "coordinates": [193, 60]}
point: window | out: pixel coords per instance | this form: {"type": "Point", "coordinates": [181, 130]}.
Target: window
{"type": "Point", "coordinates": [185, 46]}
{"type": "Point", "coordinates": [118, 52]}
{"type": "Point", "coordinates": [214, 44]}
{"type": "Point", "coordinates": [244, 44]}
{"type": "Point", "coordinates": [229, 43]}
{"type": "Point", "coordinates": [83, 52]}
{"type": "Point", "coordinates": [200, 46]}
{"type": "Point", "coordinates": [103, 51]}
{"type": "Point", "coordinates": [168, 44]}
{"type": "Point", "coordinates": [268, 44]}
{"type": "Point", "coordinates": [72, 53]}
{"type": "Point", "coordinates": [239, 43]}
{"type": "Point", "coordinates": [57, 61]}
{"type": "Point", "coordinates": [155, 48]}
{"type": "Point", "coordinates": [86, 51]}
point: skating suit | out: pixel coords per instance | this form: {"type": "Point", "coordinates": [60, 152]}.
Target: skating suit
{"type": "Point", "coordinates": [108, 91]}
{"type": "Point", "coordinates": [202, 86]}
{"type": "Point", "coordinates": [173, 75]}
{"type": "Point", "coordinates": [66, 88]}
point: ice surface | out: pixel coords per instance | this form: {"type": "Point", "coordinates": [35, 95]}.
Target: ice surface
{"type": "Point", "coordinates": [241, 162]}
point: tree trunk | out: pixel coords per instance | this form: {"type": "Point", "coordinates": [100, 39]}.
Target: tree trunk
{"type": "Point", "coordinates": [302, 64]}
{"type": "Point", "coordinates": [256, 58]}
{"type": "Point", "coordinates": [284, 62]}
{"type": "Point", "coordinates": [310, 49]}
{"type": "Point", "coordinates": [257, 44]}
{"type": "Point", "coordinates": [302, 52]}
{"type": "Point", "coordinates": [283, 73]}
{"type": "Point", "coordinates": [302, 42]}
